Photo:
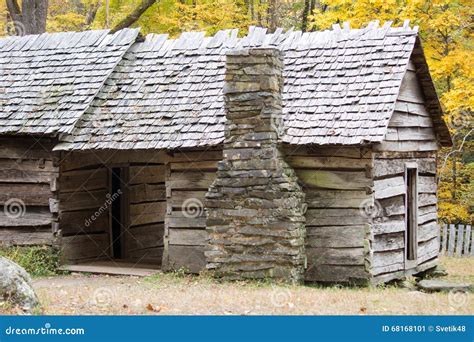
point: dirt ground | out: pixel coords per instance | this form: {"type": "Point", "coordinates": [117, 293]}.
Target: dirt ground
{"type": "Point", "coordinates": [174, 294]}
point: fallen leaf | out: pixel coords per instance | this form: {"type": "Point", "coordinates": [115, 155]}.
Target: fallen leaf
{"type": "Point", "coordinates": [363, 310]}
{"type": "Point", "coordinates": [150, 307]}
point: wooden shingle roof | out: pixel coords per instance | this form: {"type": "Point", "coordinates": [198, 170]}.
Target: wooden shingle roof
{"type": "Point", "coordinates": [48, 81]}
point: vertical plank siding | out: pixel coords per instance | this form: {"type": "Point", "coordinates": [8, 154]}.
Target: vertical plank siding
{"type": "Point", "coordinates": [28, 198]}
{"type": "Point", "coordinates": [457, 240]}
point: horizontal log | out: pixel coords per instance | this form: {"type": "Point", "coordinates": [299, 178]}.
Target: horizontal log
{"type": "Point", "coordinates": [149, 174]}
{"type": "Point", "coordinates": [388, 242]}
{"type": "Point", "coordinates": [392, 167]}
{"type": "Point", "coordinates": [335, 236]}
{"type": "Point", "coordinates": [335, 256]}
{"type": "Point", "coordinates": [410, 134]}
{"type": "Point", "coordinates": [339, 273]}
{"type": "Point", "coordinates": [319, 151]}
{"type": "Point", "coordinates": [187, 237]}
{"type": "Point", "coordinates": [80, 180]}
{"type": "Point", "coordinates": [147, 193]}
{"type": "Point", "coordinates": [191, 180]}
{"type": "Point", "coordinates": [389, 187]}
{"type": "Point", "coordinates": [32, 165]}
{"type": "Point", "coordinates": [178, 220]}
{"type": "Point", "coordinates": [26, 176]}
{"type": "Point", "coordinates": [84, 221]}
{"type": "Point", "coordinates": [30, 194]}
{"type": "Point", "coordinates": [335, 198]}
{"type": "Point", "coordinates": [407, 146]}
{"type": "Point", "coordinates": [341, 180]}
{"type": "Point", "coordinates": [26, 236]}
{"type": "Point", "coordinates": [193, 165]}
{"type": "Point", "coordinates": [385, 262]}
{"type": "Point", "coordinates": [146, 236]}
{"type": "Point", "coordinates": [25, 217]}
{"type": "Point", "coordinates": [26, 148]}
{"type": "Point", "coordinates": [191, 156]}
{"type": "Point", "coordinates": [145, 213]}
{"type": "Point", "coordinates": [393, 206]}
{"type": "Point", "coordinates": [314, 162]}
{"type": "Point", "coordinates": [335, 217]}
{"type": "Point", "coordinates": [427, 184]}
{"type": "Point", "coordinates": [428, 231]}
{"type": "Point", "coordinates": [179, 197]}
{"type": "Point", "coordinates": [391, 226]}
{"type": "Point", "coordinates": [81, 200]}
{"type": "Point", "coordinates": [84, 247]}
{"type": "Point", "coordinates": [190, 258]}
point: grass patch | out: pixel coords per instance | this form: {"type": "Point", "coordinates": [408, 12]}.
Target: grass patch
{"type": "Point", "coordinates": [38, 261]}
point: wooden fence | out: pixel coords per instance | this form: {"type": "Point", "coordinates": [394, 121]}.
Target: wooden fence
{"type": "Point", "coordinates": [457, 240]}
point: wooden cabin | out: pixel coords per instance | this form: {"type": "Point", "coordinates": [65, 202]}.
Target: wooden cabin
{"type": "Point", "coordinates": [294, 156]}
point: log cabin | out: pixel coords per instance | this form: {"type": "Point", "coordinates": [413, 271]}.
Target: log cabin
{"type": "Point", "coordinates": [286, 155]}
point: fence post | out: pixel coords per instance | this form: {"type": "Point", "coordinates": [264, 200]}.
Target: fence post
{"type": "Point", "coordinates": [467, 239]}
{"type": "Point", "coordinates": [444, 238]}
{"type": "Point", "coordinates": [459, 242]}
{"type": "Point", "coordinates": [452, 239]}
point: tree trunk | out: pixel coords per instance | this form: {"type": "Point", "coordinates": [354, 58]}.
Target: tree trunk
{"type": "Point", "coordinates": [31, 18]}
{"type": "Point", "coordinates": [306, 10]}
{"type": "Point", "coordinates": [134, 16]}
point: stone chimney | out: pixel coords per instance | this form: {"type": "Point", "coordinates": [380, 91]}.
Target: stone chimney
{"type": "Point", "coordinates": [255, 207]}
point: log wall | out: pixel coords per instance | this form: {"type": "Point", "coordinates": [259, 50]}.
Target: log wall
{"type": "Point", "coordinates": [85, 204]}
{"type": "Point", "coordinates": [28, 174]}
{"type": "Point", "coordinates": [410, 138]}
{"type": "Point", "coordinates": [189, 175]}
{"type": "Point", "coordinates": [337, 183]}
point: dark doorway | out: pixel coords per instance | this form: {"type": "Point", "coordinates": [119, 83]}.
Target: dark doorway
{"type": "Point", "coordinates": [118, 210]}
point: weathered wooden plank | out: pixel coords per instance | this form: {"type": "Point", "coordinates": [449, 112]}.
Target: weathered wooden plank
{"type": "Point", "coordinates": [191, 180]}
{"type": "Point", "coordinates": [145, 213]}
{"type": "Point", "coordinates": [146, 236]}
{"type": "Point", "coordinates": [190, 258]}
{"type": "Point", "coordinates": [152, 255]}
{"type": "Point", "coordinates": [388, 242]}
{"type": "Point", "coordinates": [179, 197]}
{"type": "Point", "coordinates": [334, 217]}
{"type": "Point", "coordinates": [26, 217]}
{"type": "Point", "coordinates": [26, 236]}
{"type": "Point", "coordinates": [393, 206]}
{"type": "Point", "coordinates": [341, 180]}
{"type": "Point", "coordinates": [147, 193]}
{"type": "Point", "coordinates": [336, 236]}
{"type": "Point", "coordinates": [178, 220]}
{"type": "Point", "coordinates": [26, 148]}
{"type": "Point", "coordinates": [472, 241]}
{"type": "Point", "coordinates": [452, 239]}
{"type": "Point", "coordinates": [428, 231]}
{"type": "Point", "coordinates": [410, 89]}
{"type": "Point", "coordinates": [392, 167]}
{"type": "Point", "coordinates": [81, 200]}
{"type": "Point", "coordinates": [188, 237]}
{"type": "Point", "coordinates": [81, 180]}
{"type": "Point", "coordinates": [33, 165]}
{"type": "Point", "coordinates": [30, 194]}
{"type": "Point", "coordinates": [88, 246]}
{"type": "Point", "coordinates": [335, 256]}
{"type": "Point", "coordinates": [403, 119]}
{"type": "Point", "coordinates": [149, 174]}
{"type": "Point", "coordinates": [314, 162]}
{"type": "Point", "coordinates": [389, 187]}
{"type": "Point", "coordinates": [428, 250]}
{"type": "Point", "coordinates": [195, 165]}
{"type": "Point", "coordinates": [467, 239]}
{"type": "Point", "coordinates": [407, 146]}
{"type": "Point", "coordinates": [336, 273]}
{"type": "Point", "coordinates": [413, 108]}
{"type": "Point", "coordinates": [191, 156]}
{"type": "Point", "coordinates": [427, 184]}
{"type": "Point", "coordinates": [345, 151]}
{"type": "Point", "coordinates": [444, 238]}
{"type": "Point", "coordinates": [326, 198]}
{"type": "Point", "coordinates": [25, 176]}
{"type": "Point", "coordinates": [391, 261]}
{"type": "Point", "coordinates": [460, 240]}
{"type": "Point", "coordinates": [392, 226]}
{"type": "Point", "coordinates": [410, 134]}
{"type": "Point", "coordinates": [84, 221]}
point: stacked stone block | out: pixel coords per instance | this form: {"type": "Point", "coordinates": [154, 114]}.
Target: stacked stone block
{"type": "Point", "coordinates": [255, 207]}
